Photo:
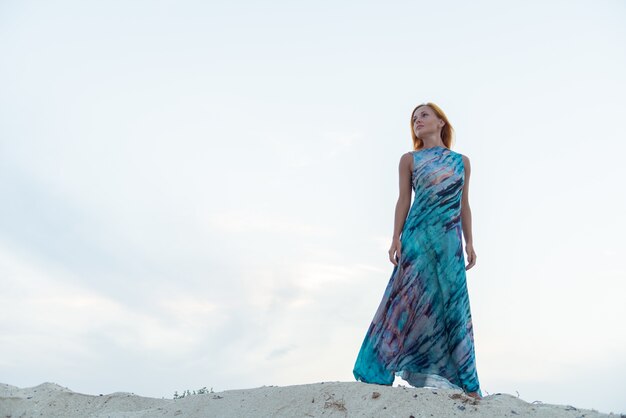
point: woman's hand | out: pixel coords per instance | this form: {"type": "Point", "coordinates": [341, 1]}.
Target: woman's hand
{"type": "Point", "coordinates": [394, 251]}
{"type": "Point", "coordinates": [471, 256]}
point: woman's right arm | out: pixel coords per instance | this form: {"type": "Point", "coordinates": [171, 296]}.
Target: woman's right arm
{"type": "Point", "coordinates": [402, 205]}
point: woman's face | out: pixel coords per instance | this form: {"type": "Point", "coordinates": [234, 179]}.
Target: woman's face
{"type": "Point", "coordinates": [425, 122]}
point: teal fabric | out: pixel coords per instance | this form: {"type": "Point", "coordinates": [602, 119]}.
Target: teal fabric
{"type": "Point", "coordinates": [422, 330]}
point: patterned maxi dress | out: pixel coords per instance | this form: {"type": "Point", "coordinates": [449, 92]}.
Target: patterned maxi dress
{"type": "Point", "coordinates": [422, 329]}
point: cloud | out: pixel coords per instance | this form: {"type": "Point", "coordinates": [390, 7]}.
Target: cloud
{"type": "Point", "coordinates": [245, 221]}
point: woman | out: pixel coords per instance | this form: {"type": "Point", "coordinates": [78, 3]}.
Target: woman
{"type": "Point", "coordinates": [422, 330]}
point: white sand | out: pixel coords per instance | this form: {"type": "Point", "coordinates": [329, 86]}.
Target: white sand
{"type": "Point", "coordinates": [328, 399]}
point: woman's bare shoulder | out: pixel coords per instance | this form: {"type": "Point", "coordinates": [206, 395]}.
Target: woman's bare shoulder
{"type": "Point", "coordinates": [466, 161]}
{"type": "Point", "coordinates": [406, 162]}
{"type": "Point", "coordinates": [407, 159]}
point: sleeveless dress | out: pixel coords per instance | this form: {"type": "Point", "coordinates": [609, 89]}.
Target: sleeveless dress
{"type": "Point", "coordinates": [422, 330]}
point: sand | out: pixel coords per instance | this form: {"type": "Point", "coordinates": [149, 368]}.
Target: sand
{"type": "Point", "coordinates": [326, 399]}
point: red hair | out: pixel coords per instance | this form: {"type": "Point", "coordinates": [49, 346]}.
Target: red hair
{"type": "Point", "coordinates": [447, 132]}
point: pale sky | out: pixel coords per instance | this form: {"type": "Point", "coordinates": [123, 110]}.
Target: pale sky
{"type": "Point", "coordinates": [202, 193]}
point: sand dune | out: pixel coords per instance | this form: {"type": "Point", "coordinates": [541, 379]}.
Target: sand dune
{"type": "Point", "coordinates": [327, 399]}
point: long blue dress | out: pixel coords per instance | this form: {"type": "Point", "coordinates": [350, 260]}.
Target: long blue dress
{"type": "Point", "coordinates": [422, 329]}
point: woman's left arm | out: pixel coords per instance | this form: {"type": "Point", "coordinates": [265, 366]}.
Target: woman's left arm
{"type": "Point", "coordinates": [466, 217]}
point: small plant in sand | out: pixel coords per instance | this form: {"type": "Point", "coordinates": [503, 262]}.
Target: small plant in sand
{"type": "Point", "coordinates": [201, 391]}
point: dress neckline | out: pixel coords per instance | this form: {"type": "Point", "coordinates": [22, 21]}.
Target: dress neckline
{"type": "Point", "coordinates": [436, 146]}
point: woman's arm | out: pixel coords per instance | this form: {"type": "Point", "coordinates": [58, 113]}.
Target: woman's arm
{"type": "Point", "coordinates": [402, 205]}
{"type": "Point", "coordinates": [466, 217]}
